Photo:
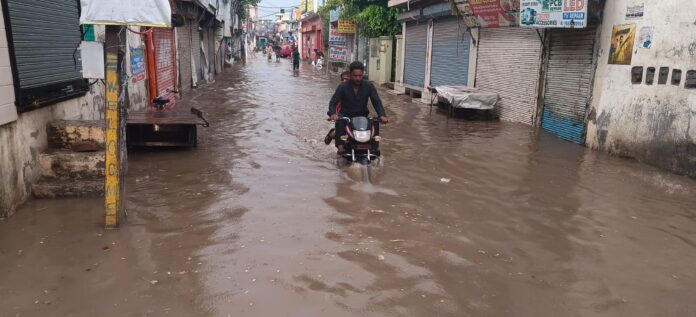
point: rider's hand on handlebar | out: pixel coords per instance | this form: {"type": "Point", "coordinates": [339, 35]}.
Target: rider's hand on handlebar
{"type": "Point", "coordinates": [384, 119]}
{"type": "Point", "coordinates": [333, 117]}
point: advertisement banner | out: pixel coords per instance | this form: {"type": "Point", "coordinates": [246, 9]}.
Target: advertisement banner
{"type": "Point", "coordinates": [553, 13]}
{"type": "Point", "coordinates": [338, 53]}
{"type": "Point", "coordinates": [346, 27]}
{"type": "Point", "coordinates": [489, 13]}
{"type": "Point", "coordinates": [335, 38]}
{"type": "Point", "coordinates": [137, 64]}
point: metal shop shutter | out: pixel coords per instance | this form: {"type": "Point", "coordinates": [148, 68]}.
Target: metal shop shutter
{"type": "Point", "coordinates": [414, 61]}
{"type": "Point", "coordinates": [196, 54]}
{"type": "Point", "coordinates": [44, 38]}
{"type": "Point", "coordinates": [508, 64]}
{"type": "Point", "coordinates": [165, 63]}
{"type": "Point", "coordinates": [183, 39]}
{"type": "Point", "coordinates": [211, 52]}
{"type": "Point", "coordinates": [568, 81]}
{"type": "Point", "coordinates": [451, 44]}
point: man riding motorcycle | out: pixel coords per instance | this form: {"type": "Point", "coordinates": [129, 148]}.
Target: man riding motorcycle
{"type": "Point", "coordinates": [353, 96]}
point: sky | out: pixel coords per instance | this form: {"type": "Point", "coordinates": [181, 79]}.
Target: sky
{"type": "Point", "coordinates": [270, 7]}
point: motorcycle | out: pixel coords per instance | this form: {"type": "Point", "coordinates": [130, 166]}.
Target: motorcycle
{"type": "Point", "coordinates": [361, 140]}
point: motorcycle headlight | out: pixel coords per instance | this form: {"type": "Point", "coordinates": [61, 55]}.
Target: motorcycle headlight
{"type": "Point", "coordinates": [361, 136]}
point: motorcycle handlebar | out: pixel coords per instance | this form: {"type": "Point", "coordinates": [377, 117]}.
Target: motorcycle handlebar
{"type": "Point", "coordinates": [375, 119]}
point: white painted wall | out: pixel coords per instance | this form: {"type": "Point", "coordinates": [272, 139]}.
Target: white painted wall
{"type": "Point", "coordinates": [655, 124]}
{"type": "Point", "coordinates": [8, 112]}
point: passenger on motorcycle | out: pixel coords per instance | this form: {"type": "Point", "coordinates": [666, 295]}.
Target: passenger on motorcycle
{"type": "Point", "coordinates": [345, 76]}
{"type": "Point", "coordinates": [353, 96]}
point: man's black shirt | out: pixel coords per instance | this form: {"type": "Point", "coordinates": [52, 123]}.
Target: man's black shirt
{"type": "Point", "coordinates": [353, 104]}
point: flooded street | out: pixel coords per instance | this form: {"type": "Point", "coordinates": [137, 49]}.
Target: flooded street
{"type": "Point", "coordinates": [461, 218]}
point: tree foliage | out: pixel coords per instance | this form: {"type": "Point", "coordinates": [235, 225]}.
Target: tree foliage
{"type": "Point", "coordinates": [378, 20]}
{"type": "Point", "coordinates": [374, 16]}
{"type": "Point", "coordinates": [242, 8]}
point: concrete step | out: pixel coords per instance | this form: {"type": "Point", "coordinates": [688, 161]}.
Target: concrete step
{"type": "Point", "coordinates": [76, 135]}
{"type": "Point", "coordinates": [76, 166]}
{"type": "Point", "coordinates": [56, 188]}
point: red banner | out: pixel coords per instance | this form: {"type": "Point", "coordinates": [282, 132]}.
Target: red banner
{"type": "Point", "coordinates": [488, 10]}
{"type": "Point", "coordinates": [489, 13]}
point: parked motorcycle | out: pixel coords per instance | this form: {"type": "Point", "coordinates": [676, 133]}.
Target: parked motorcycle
{"type": "Point", "coordinates": [361, 140]}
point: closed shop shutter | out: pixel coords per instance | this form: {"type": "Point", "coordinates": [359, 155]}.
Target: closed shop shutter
{"type": "Point", "coordinates": [568, 81]}
{"type": "Point", "coordinates": [203, 75]}
{"type": "Point", "coordinates": [416, 42]}
{"type": "Point", "coordinates": [451, 44]}
{"type": "Point", "coordinates": [196, 52]}
{"type": "Point", "coordinates": [44, 38]}
{"type": "Point", "coordinates": [165, 63]}
{"type": "Point", "coordinates": [211, 52]}
{"type": "Point", "coordinates": [508, 64]}
{"type": "Point", "coordinates": [183, 39]}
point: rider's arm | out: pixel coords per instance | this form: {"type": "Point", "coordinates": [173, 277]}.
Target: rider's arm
{"type": "Point", "coordinates": [376, 102]}
{"type": "Point", "coordinates": [334, 101]}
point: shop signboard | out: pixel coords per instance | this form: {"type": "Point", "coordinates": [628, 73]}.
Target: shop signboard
{"type": "Point", "coordinates": [346, 27]}
{"type": "Point", "coordinates": [335, 38]}
{"type": "Point", "coordinates": [338, 53]}
{"type": "Point", "coordinates": [553, 13]}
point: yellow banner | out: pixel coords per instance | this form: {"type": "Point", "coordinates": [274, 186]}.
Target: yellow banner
{"type": "Point", "coordinates": [346, 27]}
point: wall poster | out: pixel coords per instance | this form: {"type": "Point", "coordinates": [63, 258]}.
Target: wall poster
{"type": "Point", "coordinates": [622, 38]}
{"type": "Point", "coordinates": [645, 37]}
{"type": "Point", "coordinates": [553, 13]}
{"type": "Point", "coordinates": [635, 11]}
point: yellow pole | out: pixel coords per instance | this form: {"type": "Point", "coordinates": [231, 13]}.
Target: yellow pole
{"type": "Point", "coordinates": [112, 183]}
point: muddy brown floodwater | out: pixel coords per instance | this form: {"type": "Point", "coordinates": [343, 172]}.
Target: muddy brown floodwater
{"type": "Point", "coordinates": [461, 218]}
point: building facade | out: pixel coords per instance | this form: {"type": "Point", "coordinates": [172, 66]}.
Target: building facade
{"type": "Point", "coordinates": [312, 37]}
{"type": "Point", "coordinates": [622, 83]}
{"type": "Point", "coordinates": [646, 108]}
{"type": "Point", "coordinates": [35, 92]}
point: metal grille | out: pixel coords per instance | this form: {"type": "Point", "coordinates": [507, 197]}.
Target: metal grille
{"type": "Point", "coordinates": [568, 83]}
{"type": "Point", "coordinates": [165, 63]}
{"type": "Point", "coordinates": [508, 64]}
{"type": "Point", "coordinates": [414, 61]}
{"type": "Point", "coordinates": [451, 44]}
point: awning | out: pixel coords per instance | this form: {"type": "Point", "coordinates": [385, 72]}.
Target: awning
{"type": "Point", "coordinates": [156, 13]}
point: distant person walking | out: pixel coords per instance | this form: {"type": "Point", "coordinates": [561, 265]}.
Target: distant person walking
{"type": "Point", "coordinates": [295, 59]}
